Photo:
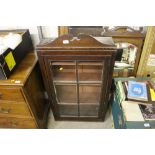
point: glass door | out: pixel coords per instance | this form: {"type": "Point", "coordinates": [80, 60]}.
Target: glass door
{"type": "Point", "coordinates": [77, 87]}
{"type": "Point", "coordinates": [65, 87]}
{"type": "Point", "coordinates": [89, 83]}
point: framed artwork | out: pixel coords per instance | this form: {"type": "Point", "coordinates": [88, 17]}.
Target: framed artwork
{"type": "Point", "coordinates": [147, 62]}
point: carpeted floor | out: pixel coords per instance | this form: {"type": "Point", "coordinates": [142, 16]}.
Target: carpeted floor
{"type": "Point", "coordinates": [107, 124]}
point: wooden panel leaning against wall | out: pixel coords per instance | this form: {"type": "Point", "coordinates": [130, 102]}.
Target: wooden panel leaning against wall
{"type": "Point", "coordinates": [147, 62]}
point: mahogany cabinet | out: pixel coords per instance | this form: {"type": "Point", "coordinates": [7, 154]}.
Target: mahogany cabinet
{"type": "Point", "coordinates": [77, 73]}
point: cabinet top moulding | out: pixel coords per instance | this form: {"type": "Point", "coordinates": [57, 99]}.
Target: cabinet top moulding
{"type": "Point", "coordinates": [81, 41]}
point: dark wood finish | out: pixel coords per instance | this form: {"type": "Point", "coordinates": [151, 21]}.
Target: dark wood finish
{"type": "Point", "coordinates": [78, 50]}
{"type": "Point", "coordinates": [22, 100]}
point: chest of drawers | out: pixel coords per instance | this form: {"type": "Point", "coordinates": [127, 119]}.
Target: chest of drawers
{"type": "Point", "coordinates": [22, 99]}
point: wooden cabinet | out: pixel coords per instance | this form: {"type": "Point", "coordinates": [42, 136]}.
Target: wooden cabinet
{"type": "Point", "coordinates": [22, 100]}
{"type": "Point", "coordinates": [77, 73]}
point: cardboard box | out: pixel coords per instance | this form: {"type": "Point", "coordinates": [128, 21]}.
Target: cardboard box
{"type": "Point", "coordinates": [10, 59]}
{"type": "Point", "coordinates": [119, 116]}
{"type": "Point", "coordinates": [120, 121]}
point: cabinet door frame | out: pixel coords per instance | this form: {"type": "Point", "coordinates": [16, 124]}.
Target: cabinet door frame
{"type": "Point", "coordinates": [105, 84]}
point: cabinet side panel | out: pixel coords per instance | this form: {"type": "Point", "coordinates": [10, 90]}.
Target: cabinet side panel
{"type": "Point", "coordinates": [34, 90]}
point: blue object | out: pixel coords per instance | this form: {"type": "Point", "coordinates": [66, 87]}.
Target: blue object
{"type": "Point", "coordinates": [137, 90]}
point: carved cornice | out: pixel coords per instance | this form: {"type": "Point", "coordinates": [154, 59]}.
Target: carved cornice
{"type": "Point", "coordinates": [85, 41]}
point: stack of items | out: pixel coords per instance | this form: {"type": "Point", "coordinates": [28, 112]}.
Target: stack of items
{"type": "Point", "coordinates": [14, 45]}
{"type": "Point", "coordinates": [136, 100]}
{"type": "Point", "coordinates": [10, 40]}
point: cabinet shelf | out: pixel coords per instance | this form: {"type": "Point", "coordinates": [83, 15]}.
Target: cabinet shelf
{"type": "Point", "coordinates": [75, 82]}
{"type": "Point", "coordinates": [64, 77]}
{"type": "Point", "coordinates": [89, 94]}
{"type": "Point", "coordinates": [86, 77]}
{"type": "Point", "coordinates": [83, 78]}
{"type": "Point", "coordinates": [86, 71]}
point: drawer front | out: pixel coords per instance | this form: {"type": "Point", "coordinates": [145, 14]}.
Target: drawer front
{"type": "Point", "coordinates": [17, 123]}
{"type": "Point", "coordinates": [11, 94]}
{"type": "Point", "coordinates": [9, 109]}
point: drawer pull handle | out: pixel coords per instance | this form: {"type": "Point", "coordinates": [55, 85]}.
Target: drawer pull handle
{"type": "Point", "coordinates": [4, 111]}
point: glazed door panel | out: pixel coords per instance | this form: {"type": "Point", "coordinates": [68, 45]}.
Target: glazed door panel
{"type": "Point", "coordinates": [64, 72]}
{"type": "Point", "coordinates": [78, 85]}
{"type": "Point", "coordinates": [90, 71]}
